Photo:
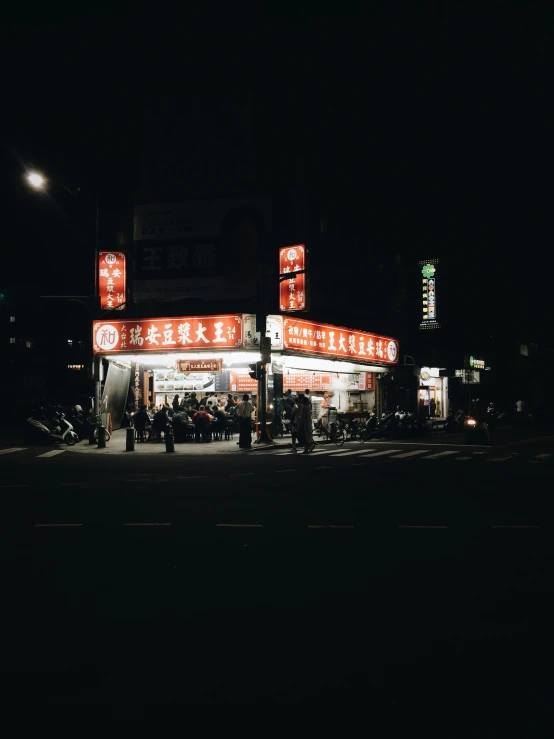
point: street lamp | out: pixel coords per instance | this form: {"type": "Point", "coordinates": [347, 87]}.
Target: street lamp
{"type": "Point", "coordinates": [36, 180]}
{"type": "Point", "coordinates": [39, 183]}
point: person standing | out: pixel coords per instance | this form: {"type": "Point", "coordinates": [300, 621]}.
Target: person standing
{"type": "Point", "coordinates": [520, 405]}
{"type": "Point", "coordinates": [176, 404]}
{"type": "Point", "coordinates": [243, 413]}
{"type": "Point", "coordinates": [294, 414]}
{"type": "Point", "coordinates": [306, 423]}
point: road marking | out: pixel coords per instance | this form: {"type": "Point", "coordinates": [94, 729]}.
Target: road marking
{"type": "Point", "coordinates": [239, 525]}
{"type": "Point", "coordinates": [191, 477]}
{"type": "Point", "coordinates": [280, 471]}
{"type": "Point", "coordinates": [479, 452]}
{"type": "Point", "coordinates": [57, 525]}
{"type": "Point", "coordinates": [324, 468]}
{"type": "Point", "coordinates": [138, 523]}
{"type": "Point", "coordinates": [463, 459]}
{"type": "Point", "coordinates": [349, 454]}
{"type": "Point", "coordinates": [532, 461]}
{"type": "Point", "coordinates": [134, 480]}
{"type": "Point", "coordinates": [441, 454]}
{"type": "Point", "coordinates": [13, 449]}
{"type": "Point", "coordinates": [543, 456]}
{"type": "Point", "coordinates": [422, 527]}
{"type": "Point", "coordinates": [412, 454]}
{"type": "Point", "coordinates": [330, 526]}
{"type": "Point", "coordinates": [498, 459]}
{"type": "Point", "coordinates": [241, 474]}
{"type": "Point", "coordinates": [6, 487]}
{"type": "Point", "coordinates": [372, 455]}
{"type": "Point", "coordinates": [51, 453]}
{"type": "Point", "coordinates": [515, 526]}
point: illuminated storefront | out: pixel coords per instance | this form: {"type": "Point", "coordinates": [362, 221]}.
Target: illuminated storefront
{"type": "Point", "coordinates": [433, 393]}
{"type": "Point", "coordinates": [212, 354]}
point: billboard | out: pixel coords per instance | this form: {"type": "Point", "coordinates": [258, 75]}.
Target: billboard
{"type": "Point", "coordinates": [111, 279]}
{"type": "Point", "coordinates": [337, 342]}
{"type": "Point", "coordinates": [167, 334]}
{"type": "Point", "coordinates": [205, 249]}
{"type": "Point", "coordinates": [292, 290]}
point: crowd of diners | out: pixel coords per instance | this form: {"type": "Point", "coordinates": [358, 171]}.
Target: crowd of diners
{"type": "Point", "coordinates": [212, 417]}
{"type": "Point", "coordinates": [206, 418]}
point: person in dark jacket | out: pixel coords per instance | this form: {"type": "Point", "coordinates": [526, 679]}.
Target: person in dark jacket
{"type": "Point", "coordinates": [193, 401]}
{"type": "Point", "coordinates": [176, 404]}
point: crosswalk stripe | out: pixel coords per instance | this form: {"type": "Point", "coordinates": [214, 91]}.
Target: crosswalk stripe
{"type": "Point", "coordinates": [346, 453]}
{"type": "Point", "coordinates": [441, 454]}
{"type": "Point", "coordinates": [12, 449]}
{"type": "Point", "coordinates": [498, 459]}
{"type": "Point", "coordinates": [463, 459]}
{"type": "Point", "coordinates": [51, 453]}
{"type": "Point", "coordinates": [543, 456]}
{"type": "Point", "coordinates": [372, 455]}
{"type": "Point", "coordinates": [412, 454]}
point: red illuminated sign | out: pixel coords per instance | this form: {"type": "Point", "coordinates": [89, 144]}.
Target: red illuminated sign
{"type": "Point", "coordinates": [199, 365]}
{"type": "Point", "coordinates": [168, 334]}
{"type": "Point", "coordinates": [111, 279]}
{"type": "Point", "coordinates": [292, 290]}
{"type": "Point", "coordinates": [315, 381]}
{"type": "Point", "coordinates": [367, 381]}
{"type": "Point", "coordinates": [337, 342]}
{"type": "Point", "coordinates": [243, 383]}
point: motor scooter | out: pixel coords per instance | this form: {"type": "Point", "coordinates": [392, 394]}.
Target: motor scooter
{"type": "Point", "coordinates": [63, 430]}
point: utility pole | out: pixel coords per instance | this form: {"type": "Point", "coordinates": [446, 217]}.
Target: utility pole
{"type": "Point", "coordinates": [261, 327]}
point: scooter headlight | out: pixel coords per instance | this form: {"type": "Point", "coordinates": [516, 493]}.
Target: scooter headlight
{"type": "Point", "coordinates": [471, 422]}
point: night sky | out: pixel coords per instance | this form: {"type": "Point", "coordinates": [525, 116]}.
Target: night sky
{"type": "Point", "coordinates": [420, 130]}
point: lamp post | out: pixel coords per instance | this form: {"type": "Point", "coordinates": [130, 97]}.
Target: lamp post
{"type": "Point", "coordinates": [38, 182]}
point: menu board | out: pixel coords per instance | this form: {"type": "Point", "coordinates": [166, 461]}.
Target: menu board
{"type": "Point", "coordinates": [168, 381]}
{"type": "Point", "coordinates": [223, 382]}
{"type": "Point", "coordinates": [242, 383]}
{"type": "Point", "coordinates": [298, 380]}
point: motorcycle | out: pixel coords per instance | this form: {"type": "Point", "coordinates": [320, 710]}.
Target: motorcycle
{"type": "Point", "coordinates": [43, 429]}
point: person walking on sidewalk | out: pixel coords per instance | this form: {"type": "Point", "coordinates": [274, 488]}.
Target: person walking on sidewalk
{"type": "Point", "coordinates": [243, 414]}
{"type": "Point", "coordinates": [306, 423]}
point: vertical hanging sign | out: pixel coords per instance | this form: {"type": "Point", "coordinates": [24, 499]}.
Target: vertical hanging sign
{"type": "Point", "coordinates": [428, 275]}
{"type": "Point", "coordinates": [292, 279]}
{"type": "Point", "coordinates": [111, 279]}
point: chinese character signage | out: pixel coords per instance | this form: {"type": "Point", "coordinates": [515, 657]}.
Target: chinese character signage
{"type": "Point", "coordinates": [199, 365]}
{"type": "Point", "coordinates": [241, 382]}
{"type": "Point", "coordinates": [472, 362]}
{"type": "Point", "coordinates": [366, 381]}
{"type": "Point", "coordinates": [111, 279]}
{"type": "Point", "coordinates": [299, 380]}
{"type": "Point", "coordinates": [274, 329]}
{"type": "Point", "coordinates": [428, 278]}
{"type": "Point", "coordinates": [337, 342]}
{"type": "Point", "coordinates": [292, 290]}
{"type": "Point", "coordinates": [167, 334]}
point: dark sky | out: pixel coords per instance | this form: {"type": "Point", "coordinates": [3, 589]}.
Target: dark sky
{"type": "Point", "coordinates": [423, 127]}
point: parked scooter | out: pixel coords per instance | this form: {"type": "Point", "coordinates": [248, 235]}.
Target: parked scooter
{"type": "Point", "coordinates": [54, 430]}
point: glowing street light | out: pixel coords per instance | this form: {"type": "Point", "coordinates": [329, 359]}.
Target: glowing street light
{"type": "Point", "coordinates": [36, 180]}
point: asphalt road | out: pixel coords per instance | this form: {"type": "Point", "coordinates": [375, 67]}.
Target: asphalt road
{"type": "Point", "coordinates": [414, 588]}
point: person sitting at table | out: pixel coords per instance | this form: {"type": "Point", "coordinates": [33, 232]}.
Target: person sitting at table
{"type": "Point", "coordinates": [160, 424]}
{"type": "Point", "coordinates": [202, 421]}
{"type": "Point", "coordinates": [218, 424]}
{"type": "Point", "coordinates": [141, 422]}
